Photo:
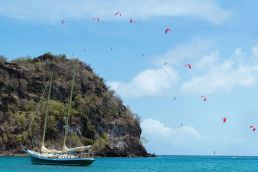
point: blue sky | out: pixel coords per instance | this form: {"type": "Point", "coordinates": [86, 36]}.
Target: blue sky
{"type": "Point", "coordinates": [219, 38]}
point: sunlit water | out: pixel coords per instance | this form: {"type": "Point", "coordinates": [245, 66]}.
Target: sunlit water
{"type": "Point", "coordinates": [160, 163]}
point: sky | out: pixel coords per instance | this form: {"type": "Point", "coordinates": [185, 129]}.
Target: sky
{"type": "Point", "coordinates": [218, 38]}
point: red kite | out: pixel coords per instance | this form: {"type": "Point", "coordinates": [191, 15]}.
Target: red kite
{"type": "Point", "coordinates": [224, 120]}
{"type": "Point", "coordinates": [167, 30]}
{"type": "Point", "coordinates": [189, 66]}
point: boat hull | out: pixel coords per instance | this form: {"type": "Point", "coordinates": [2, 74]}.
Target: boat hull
{"type": "Point", "coordinates": [40, 160]}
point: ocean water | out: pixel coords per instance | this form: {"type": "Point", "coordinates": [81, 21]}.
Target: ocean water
{"type": "Point", "coordinates": [158, 164]}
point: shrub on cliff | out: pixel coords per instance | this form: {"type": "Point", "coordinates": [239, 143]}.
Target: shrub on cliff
{"type": "Point", "coordinates": [2, 60]}
{"type": "Point", "coordinates": [23, 59]}
{"type": "Point", "coordinates": [98, 117]}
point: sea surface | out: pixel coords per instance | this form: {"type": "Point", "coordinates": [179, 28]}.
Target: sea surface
{"type": "Point", "coordinates": [158, 164]}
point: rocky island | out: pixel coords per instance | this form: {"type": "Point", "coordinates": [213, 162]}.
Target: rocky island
{"type": "Point", "coordinates": [98, 116]}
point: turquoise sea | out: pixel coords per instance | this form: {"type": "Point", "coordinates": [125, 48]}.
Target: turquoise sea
{"type": "Point", "coordinates": [158, 164]}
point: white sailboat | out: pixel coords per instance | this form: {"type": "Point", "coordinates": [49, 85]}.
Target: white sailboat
{"type": "Point", "coordinates": [66, 156]}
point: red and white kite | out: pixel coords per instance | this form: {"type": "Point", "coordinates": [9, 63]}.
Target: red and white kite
{"type": "Point", "coordinates": [204, 98]}
{"type": "Point", "coordinates": [224, 120]}
{"type": "Point", "coordinates": [253, 127]}
{"type": "Point", "coordinates": [189, 66]}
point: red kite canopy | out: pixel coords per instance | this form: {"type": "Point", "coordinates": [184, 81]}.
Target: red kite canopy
{"type": "Point", "coordinates": [167, 30]}
{"type": "Point", "coordinates": [189, 66]}
{"type": "Point", "coordinates": [224, 120]}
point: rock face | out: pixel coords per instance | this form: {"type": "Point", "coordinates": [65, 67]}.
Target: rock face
{"type": "Point", "coordinates": [98, 117]}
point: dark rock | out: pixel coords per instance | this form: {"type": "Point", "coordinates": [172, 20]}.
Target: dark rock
{"type": "Point", "coordinates": [97, 116]}
{"type": "Point", "coordinates": [2, 130]}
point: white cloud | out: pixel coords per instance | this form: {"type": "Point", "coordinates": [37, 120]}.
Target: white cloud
{"type": "Point", "coordinates": [151, 126]}
{"type": "Point", "coordinates": [158, 81]}
{"type": "Point", "coordinates": [255, 51]}
{"type": "Point", "coordinates": [150, 82]}
{"type": "Point", "coordinates": [208, 61]}
{"type": "Point", "coordinates": [187, 140]}
{"type": "Point", "coordinates": [223, 75]}
{"type": "Point", "coordinates": [208, 10]}
{"type": "Point", "coordinates": [186, 53]}
{"type": "Point", "coordinates": [155, 131]}
{"type": "Point", "coordinates": [210, 73]}
{"type": "Point", "coordinates": [239, 52]}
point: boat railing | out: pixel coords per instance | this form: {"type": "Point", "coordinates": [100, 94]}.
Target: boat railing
{"type": "Point", "coordinates": [80, 155]}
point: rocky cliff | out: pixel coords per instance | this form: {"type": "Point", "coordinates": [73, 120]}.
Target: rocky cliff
{"type": "Point", "coordinates": [98, 117]}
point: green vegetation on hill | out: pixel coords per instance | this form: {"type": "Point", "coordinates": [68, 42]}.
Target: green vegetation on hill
{"type": "Point", "coordinates": [98, 117]}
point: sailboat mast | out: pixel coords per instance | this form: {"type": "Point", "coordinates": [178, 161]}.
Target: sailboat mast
{"type": "Point", "coordinates": [34, 114]}
{"type": "Point", "coordinates": [69, 106]}
{"type": "Point", "coordinates": [46, 114]}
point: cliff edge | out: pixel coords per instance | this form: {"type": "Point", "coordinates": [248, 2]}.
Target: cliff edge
{"type": "Point", "coordinates": [98, 117]}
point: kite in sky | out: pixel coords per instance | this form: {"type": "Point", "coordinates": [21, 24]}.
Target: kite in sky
{"type": "Point", "coordinates": [132, 21]}
{"type": "Point", "coordinates": [224, 120]}
{"type": "Point", "coordinates": [189, 66]}
{"type": "Point", "coordinates": [253, 127]}
{"type": "Point", "coordinates": [167, 30]}
{"type": "Point", "coordinates": [96, 19]}
{"type": "Point", "coordinates": [118, 13]}
{"type": "Point", "coordinates": [204, 98]}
